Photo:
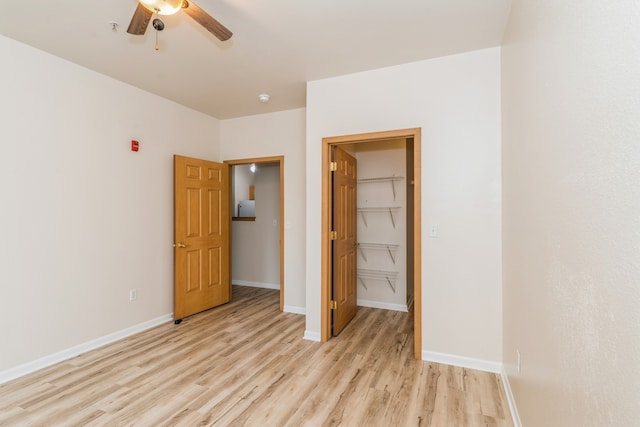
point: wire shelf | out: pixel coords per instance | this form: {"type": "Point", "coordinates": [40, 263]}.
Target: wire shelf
{"type": "Point", "coordinates": [391, 249]}
{"type": "Point", "coordinates": [391, 179]}
{"type": "Point", "coordinates": [383, 275]}
{"type": "Point", "coordinates": [389, 209]}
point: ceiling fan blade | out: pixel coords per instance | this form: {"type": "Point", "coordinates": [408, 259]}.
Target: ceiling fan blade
{"type": "Point", "coordinates": [207, 21]}
{"type": "Point", "coordinates": [139, 21]}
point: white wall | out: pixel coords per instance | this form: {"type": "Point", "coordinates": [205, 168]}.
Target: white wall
{"type": "Point", "coordinates": [84, 219]}
{"type": "Point", "coordinates": [382, 159]}
{"type": "Point", "coordinates": [571, 209]}
{"type": "Point", "coordinates": [276, 134]}
{"type": "Point", "coordinates": [243, 178]}
{"type": "Point", "coordinates": [456, 102]}
{"type": "Point", "coordinates": [256, 244]}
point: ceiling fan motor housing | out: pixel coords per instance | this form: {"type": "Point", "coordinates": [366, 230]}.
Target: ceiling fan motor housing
{"type": "Point", "coordinates": [158, 24]}
{"type": "Point", "coordinates": [163, 7]}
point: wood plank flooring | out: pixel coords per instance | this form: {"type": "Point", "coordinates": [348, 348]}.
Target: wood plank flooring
{"type": "Point", "coordinates": [246, 364]}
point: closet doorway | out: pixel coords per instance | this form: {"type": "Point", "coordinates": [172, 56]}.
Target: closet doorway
{"type": "Point", "coordinates": [247, 215]}
{"type": "Point", "coordinates": [412, 238]}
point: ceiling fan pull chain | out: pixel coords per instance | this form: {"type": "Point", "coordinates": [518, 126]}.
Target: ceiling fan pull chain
{"type": "Point", "coordinates": [156, 28]}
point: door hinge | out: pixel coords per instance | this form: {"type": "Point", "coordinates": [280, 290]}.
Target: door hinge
{"type": "Point", "coordinates": [333, 235]}
{"type": "Point", "coordinates": [333, 166]}
{"type": "Point", "coordinates": [333, 304]}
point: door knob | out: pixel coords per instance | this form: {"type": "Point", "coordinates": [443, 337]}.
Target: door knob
{"type": "Point", "coordinates": [179, 245]}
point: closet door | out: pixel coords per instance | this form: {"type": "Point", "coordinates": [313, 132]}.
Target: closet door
{"type": "Point", "coordinates": [345, 242]}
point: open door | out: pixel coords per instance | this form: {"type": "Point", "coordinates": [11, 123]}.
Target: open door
{"type": "Point", "coordinates": [344, 224]}
{"type": "Point", "coordinates": [201, 215]}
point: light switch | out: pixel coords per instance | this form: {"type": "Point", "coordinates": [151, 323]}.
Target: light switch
{"type": "Point", "coordinates": [433, 230]}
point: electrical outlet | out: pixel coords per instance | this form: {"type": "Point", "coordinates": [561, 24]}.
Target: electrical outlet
{"type": "Point", "coordinates": [518, 353]}
{"type": "Point", "coordinates": [133, 294]}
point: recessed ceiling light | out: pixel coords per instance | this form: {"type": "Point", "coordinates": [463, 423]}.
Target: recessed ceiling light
{"type": "Point", "coordinates": [264, 97]}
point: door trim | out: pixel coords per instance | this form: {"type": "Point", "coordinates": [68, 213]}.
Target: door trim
{"type": "Point", "coordinates": [327, 202]}
{"type": "Point", "coordinates": [258, 160]}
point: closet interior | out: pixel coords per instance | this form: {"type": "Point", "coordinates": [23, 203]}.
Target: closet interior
{"type": "Point", "coordinates": [384, 224]}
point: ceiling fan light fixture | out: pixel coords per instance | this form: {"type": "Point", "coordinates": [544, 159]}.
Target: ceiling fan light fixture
{"type": "Point", "coordinates": [163, 7]}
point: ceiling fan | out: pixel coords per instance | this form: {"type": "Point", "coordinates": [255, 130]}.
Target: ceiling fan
{"type": "Point", "coordinates": [146, 9]}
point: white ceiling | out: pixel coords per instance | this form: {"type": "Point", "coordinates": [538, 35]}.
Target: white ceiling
{"type": "Point", "coordinates": [277, 46]}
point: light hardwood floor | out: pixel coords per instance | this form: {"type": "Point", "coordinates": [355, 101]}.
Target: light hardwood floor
{"type": "Point", "coordinates": [246, 364]}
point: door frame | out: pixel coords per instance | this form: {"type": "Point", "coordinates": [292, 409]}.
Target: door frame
{"type": "Point", "coordinates": [327, 206]}
{"type": "Point", "coordinates": [257, 161]}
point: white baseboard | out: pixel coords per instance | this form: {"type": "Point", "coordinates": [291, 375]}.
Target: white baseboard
{"type": "Point", "coordinates": [510, 398]}
{"type": "Point", "coordinates": [293, 309]}
{"type": "Point", "coordinates": [256, 284]}
{"type": "Point", "coordinates": [311, 336]}
{"type": "Point", "coordinates": [464, 362]}
{"type": "Point", "coordinates": [63, 355]}
{"type": "Point", "coordinates": [382, 305]}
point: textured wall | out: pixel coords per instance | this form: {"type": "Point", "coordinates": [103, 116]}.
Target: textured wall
{"type": "Point", "coordinates": [571, 211]}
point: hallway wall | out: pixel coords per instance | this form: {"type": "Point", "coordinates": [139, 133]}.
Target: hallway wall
{"type": "Point", "coordinates": [256, 244]}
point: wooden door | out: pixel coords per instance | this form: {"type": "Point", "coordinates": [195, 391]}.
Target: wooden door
{"type": "Point", "coordinates": [344, 223]}
{"type": "Point", "coordinates": [201, 212]}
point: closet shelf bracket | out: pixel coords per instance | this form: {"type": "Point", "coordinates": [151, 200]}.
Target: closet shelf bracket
{"type": "Point", "coordinates": [389, 248]}
{"type": "Point", "coordinates": [391, 179]}
{"type": "Point", "coordinates": [381, 275]}
{"type": "Point", "coordinates": [390, 209]}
